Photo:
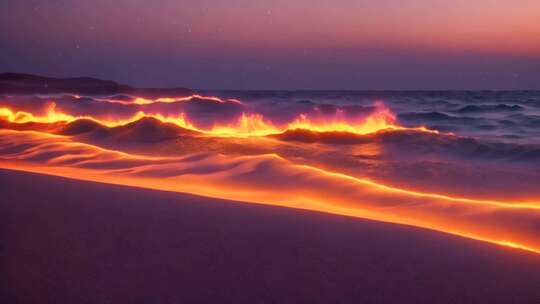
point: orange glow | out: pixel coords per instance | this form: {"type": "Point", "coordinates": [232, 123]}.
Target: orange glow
{"type": "Point", "coordinates": [255, 179]}
{"type": "Point", "coordinates": [247, 125]}
{"type": "Point", "coordinates": [381, 119]}
{"type": "Point", "coordinates": [144, 101]}
{"type": "Point", "coordinates": [301, 186]}
{"type": "Point", "coordinates": [51, 116]}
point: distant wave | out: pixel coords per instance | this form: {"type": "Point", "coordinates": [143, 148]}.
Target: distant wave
{"type": "Point", "coordinates": [490, 108]}
{"type": "Point", "coordinates": [435, 116]}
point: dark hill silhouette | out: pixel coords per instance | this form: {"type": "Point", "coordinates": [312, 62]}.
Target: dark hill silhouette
{"type": "Point", "coordinates": [18, 83]}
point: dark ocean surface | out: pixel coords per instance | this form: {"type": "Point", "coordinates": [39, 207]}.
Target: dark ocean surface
{"type": "Point", "coordinates": [496, 116]}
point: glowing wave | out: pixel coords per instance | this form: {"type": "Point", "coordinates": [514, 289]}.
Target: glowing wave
{"type": "Point", "coordinates": [381, 119]}
{"type": "Point", "coordinates": [252, 124]}
{"type": "Point", "coordinates": [270, 179]}
{"type": "Point", "coordinates": [145, 101]}
{"type": "Point", "coordinates": [148, 101]}
{"type": "Point", "coordinates": [267, 179]}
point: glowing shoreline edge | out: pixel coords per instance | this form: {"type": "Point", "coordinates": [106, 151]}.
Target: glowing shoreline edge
{"type": "Point", "coordinates": [107, 177]}
{"type": "Point", "coordinates": [255, 125]}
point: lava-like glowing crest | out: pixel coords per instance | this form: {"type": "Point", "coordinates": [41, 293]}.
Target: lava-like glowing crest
{"type": "Point", "coordinates": [248, 124]}
{"type": "Point", "coordinates": [381, 119]}
{"type": "Point", "coordinates": [145, 101]}
{"type": "Point", "coordinates": [51, 115]}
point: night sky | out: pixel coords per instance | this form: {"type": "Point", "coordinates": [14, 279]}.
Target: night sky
{"type": "Point", "coordinates": [279, 44]}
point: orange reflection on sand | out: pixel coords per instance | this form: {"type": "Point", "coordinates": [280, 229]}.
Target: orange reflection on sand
{"type": "Point", "coordinates": [270, 179]}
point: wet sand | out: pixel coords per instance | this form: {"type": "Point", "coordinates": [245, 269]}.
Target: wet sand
{"type": "Point", "coordinates": [68, 241]}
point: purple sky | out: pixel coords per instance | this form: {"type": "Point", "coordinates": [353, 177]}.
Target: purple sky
{"type": "Point", "coordinates": [303, 44]}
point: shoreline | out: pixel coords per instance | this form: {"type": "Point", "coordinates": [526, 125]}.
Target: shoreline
{"type": "Point", "coordinates": [75, 241]}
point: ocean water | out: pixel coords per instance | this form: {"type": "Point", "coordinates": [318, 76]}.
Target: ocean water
{"type": "Point", "coordinates": [492, 116]}
{"type": "Point", "coordinates": [478, 176]}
